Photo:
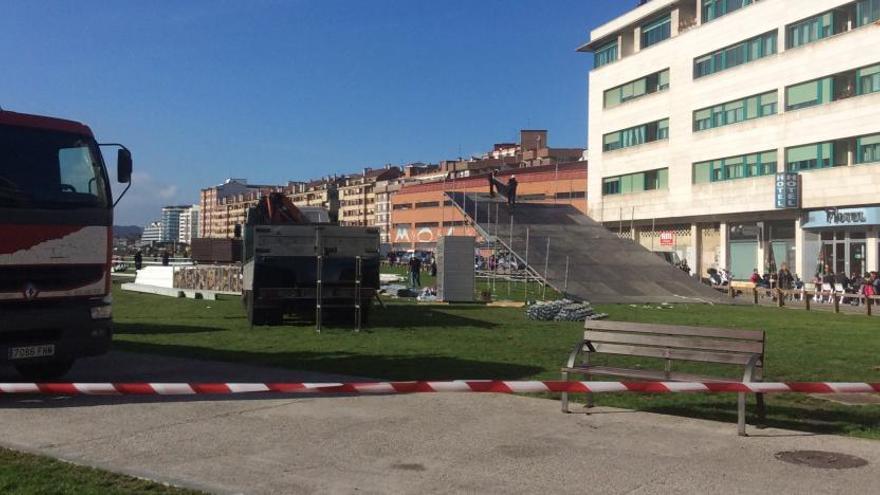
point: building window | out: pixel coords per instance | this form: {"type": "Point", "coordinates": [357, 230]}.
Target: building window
{"type": "Point", "coordinates": [809, 94]}
{"type": "Point", "coordinates": [656, 31]}
{"type": "Point", "coordinates": [753, 107]}
{"type": "Point", "coordinates": [571, 195]}
{"type": "Point", "coordinates": [734, 55]}
{"type": "Point", "coordinates": [428, 204]}
{"type": "Point", "coordinates": [652, 83]}
{"type": "Point", "coordinates": [605, 55]}
{"type": "Point", "coordinates": [868, 79]}
{"type": "Point", "coordinates": [638, 182]}
{"type": "Point", "coordinates": [867, 11]}
{"type": "Point", "coordinates": [737, 167]}
{"type": "Point", "coordinates": [809, 157]}
{"type": "Point", "coordinates": [403, 206]}
{"type": "Point", "coordinates": [814, 29]}
{"type": "Point", "coordinates": [634, 136]}
{"type": "Point", "coordinates": [835, 87]}
{"type": "Point", "coordinates": [428, 225]}
{"type": "Point", "coordinates": [713, 9]}
{"type": "Point", "coordinates": [868, 149]}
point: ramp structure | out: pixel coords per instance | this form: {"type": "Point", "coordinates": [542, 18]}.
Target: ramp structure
{"type": "Point", "coordinates": [578, 256]}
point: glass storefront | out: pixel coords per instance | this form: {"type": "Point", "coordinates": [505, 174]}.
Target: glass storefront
{"type": "Point", "coordinates": [844, 252]}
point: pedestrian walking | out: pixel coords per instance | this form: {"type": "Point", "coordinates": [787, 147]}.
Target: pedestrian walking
{"type": "Point", "coordinates": [165, 258]}
{"type": "Point", "coordinates": [433, 267]}
{"type": "Point", "coordinates": [415, 271]}
{"type": "Point", "coordinates": [138, 260]}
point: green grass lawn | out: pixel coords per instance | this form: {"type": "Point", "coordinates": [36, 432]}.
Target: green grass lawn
{"type": "Point", "coordinates": [419, 342]}
{"type": "Point", "coordinates": [29, 474]}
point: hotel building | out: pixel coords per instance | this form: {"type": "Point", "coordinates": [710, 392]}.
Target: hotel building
{"type": "Point", "coordinates": [695, 106]}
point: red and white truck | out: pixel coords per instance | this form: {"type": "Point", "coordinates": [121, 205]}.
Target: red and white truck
{"type": "Point", "coordinates": [56, 234]}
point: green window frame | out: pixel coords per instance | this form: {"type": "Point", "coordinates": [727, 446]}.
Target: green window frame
{"type": "Point", "coordinates": [867, 12]}
{"type": "Point", "coordinates": [868, 149]}
{"type": "Point", "coordinates": [733, 112]}
{"type": "Point", "coordinates": [634, 136]}
{"type": "Point", "coordinates": [811, 30]}
{"type": "Point", "coordinates": [656, 31]}
{"type": "Point", "coordinates": [735, 55]}
{"type": "Point", "coordinates": [605, 54]}
{"type": "Point", "coordinates": [868, 79]}
{"type": "Point", "coordinates": [650, 180]}
{"type": "Point", "coordinates": [713, 9]}
{"type": "Point", "coordinates": [809, 94]}
{"type": "Point", "coordinates": [809, 157]}
{"type": "Point", "coordinates": [735, 167]}
{"type": "Point", "coordinates": [652, 83]}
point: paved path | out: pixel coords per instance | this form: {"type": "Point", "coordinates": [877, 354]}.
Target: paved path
{"type": "Point", "coordinates": [444, 443]}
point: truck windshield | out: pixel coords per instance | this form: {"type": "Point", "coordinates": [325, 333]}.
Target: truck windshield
{"type": "Point", "coordinates": [50, 169]}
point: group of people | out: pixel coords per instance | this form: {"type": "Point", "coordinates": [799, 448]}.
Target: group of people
{"type": "Point", "coordinates": [867, 284]}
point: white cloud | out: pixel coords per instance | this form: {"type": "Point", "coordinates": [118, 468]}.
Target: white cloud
{"type": "Point", "coordinates": [144, 201]}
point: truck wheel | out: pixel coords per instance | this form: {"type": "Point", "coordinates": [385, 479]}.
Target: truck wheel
{"type": "Point", "coordinates": [44, 371]}
{"type": "Point", "coordinates": [274, 317]}
{"type": "Point", "coordinates": [255, 315]}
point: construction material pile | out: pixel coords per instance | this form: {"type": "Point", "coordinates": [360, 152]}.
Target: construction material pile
{"type": "Point", "coordinates": [563, 310]}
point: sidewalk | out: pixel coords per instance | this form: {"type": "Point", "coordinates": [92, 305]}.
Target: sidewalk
{"type": "Point", "coordinates": [444, 443]}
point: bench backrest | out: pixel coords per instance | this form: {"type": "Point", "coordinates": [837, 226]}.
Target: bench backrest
{"type": "Point", "coordinates": [673, 342]}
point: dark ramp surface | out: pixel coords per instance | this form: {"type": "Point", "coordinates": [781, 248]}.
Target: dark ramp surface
{"type": "Point", "coordinates": [602, 267]}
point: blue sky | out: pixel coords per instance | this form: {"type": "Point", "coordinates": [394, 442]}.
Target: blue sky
{"type": "Point", "coordinates": [276, 90]}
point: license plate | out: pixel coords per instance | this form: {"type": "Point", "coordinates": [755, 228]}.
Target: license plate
{"type": "Point", "coordinates": [33, 351]}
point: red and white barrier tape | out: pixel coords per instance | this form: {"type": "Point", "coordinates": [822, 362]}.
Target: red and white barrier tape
{"type": "Point", "coordinates": [491, 386]}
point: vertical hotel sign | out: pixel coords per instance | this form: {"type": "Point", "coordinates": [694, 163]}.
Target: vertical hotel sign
{"type": "Point", "coordinates": [788, 190]}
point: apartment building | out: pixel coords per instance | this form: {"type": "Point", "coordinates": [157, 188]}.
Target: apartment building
{"type": "Point", "coordinates": [189, 225]}
{"type": "Point", "coordinates": [171, 218]}
{"type": "Point", "coordinates": [741, 134]}
{"type": "Point", "coordinates": [385, 190]}
{"type": "Point", "coordinates": [357, 195]}
{"type": "Point", "coordinates": [421, 214]}
{"type": "Point", "coordinates": [224, 206]}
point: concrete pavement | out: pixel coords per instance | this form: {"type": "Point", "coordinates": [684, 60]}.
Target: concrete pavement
{"type": "Point", "coordinates": [429, 443]}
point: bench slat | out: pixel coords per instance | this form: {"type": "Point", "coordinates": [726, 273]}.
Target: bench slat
{"type": "Point", "coordinates": [695, 343]}
{"type": "Point", "coordinates": [677, 354]}
{"type": "Point", "coordinates": [725, 333]}
{"type": "Point", "coordinates": [651, 375]}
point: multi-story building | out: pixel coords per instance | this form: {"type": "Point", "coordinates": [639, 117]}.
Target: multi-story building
{"type": "Point", "coordinates": [695, 106]}
{"type": "Point", "coordinates": [189, 225]}
{"type": "Point", "coordinates": [357, 195]}
{"type": "Point", "coordinates": [171, 216]}
{"type": "Point", "coordinates": [152, 233]}
{"type": "Point", "coordinates": [421, 213]}
{"type": "Point", "coordinates": [224, 206]}
{"type": "Point", "coordinates": [386, 189]}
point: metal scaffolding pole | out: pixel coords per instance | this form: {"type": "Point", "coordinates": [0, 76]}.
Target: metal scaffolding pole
{"type": "Point", "coordinates": [510, 256]}
{"type": "Point", "coordinates": [546, 266]}
{"type": "Point", "coordinates": [565, 284]}
{"type": "Point", "coordinates": [526, 283]}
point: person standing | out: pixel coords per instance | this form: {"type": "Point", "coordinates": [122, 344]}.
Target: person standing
{"type": "Point", "coordinates": [784, 278]}
{"type": "Point", "coordinates": [138, 260]}
{"type": "Point", "coordinates": [415, 271]}
{"type": "Point", "coordinates": [433, 267]}
{"type": "Point", "coordinates": [165, 258]}
{"type": "Point", "coordinates": [491, 177]}
{"type": "Point", "coordinates": [511, 190]}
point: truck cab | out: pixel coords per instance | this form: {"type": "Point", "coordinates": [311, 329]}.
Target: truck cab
{"type": "Point", "coordinates": [56, 220]}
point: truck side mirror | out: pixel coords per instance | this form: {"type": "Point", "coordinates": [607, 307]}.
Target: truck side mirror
{"type": "Point", "coordinates": [123, 166]}
{"type": "Point", "coordinates": [237, 231]}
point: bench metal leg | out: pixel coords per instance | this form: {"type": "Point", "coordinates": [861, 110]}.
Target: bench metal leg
{"type": "Point", "coordinates": [565, 395]}
{"type": "Point", "coordinates": [741, 414]}
{"type": "Point", "coordinates": [762, 412]}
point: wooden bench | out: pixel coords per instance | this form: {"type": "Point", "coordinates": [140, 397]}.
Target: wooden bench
{"type": "Point", "coordinates": [743, 348]}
